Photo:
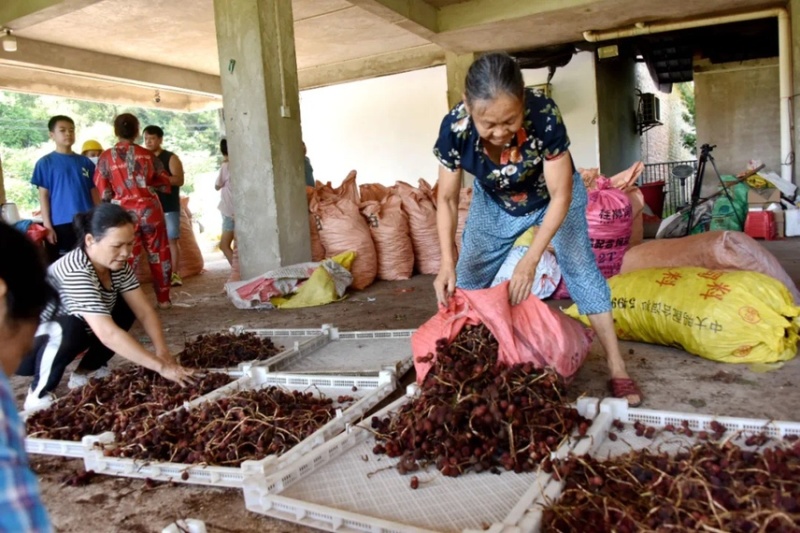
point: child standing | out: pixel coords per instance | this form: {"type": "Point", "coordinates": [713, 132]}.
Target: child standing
{"type": "Point", "coordinates": [92, 149]}
{"type": "Point", "coordinates": [66, 187]}
{"type": "Point", "coordinates": [223, 185]}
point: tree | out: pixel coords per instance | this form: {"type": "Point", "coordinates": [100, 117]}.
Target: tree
{"type": "Point", "coordinates": [689, 135]}
{"type": "Point", "coordinates": [23, 121]}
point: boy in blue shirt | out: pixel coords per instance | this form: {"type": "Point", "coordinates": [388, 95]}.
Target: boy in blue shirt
{"type": "Point", "coordinates": [66, 186]}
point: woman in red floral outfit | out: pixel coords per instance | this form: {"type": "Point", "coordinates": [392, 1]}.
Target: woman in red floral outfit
{"type": "Point", "coordinates": [127, 175]}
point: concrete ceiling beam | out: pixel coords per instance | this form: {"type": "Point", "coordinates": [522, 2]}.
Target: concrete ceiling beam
{"type": "Point", "coordinates": [465, 15]}
{"type": "Point", "coordinates": [415, 16]}
{"type": "Point", "coordinates": [429, 55]}
{"type": "Point", "coordinates": [20, 15]}
{"type": "Point", "coordinates": [56, 84]}
{"type": "Point", "coordinates": [46, 57]}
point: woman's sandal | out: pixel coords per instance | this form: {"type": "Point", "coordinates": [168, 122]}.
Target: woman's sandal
{"type": "Point", "coordinates": [624, 387]}
{"type": "Point", "coordinates": [164, 305]}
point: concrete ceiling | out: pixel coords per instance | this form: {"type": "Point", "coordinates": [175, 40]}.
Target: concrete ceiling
{"type": "Point", "coordinates": [84, 48]}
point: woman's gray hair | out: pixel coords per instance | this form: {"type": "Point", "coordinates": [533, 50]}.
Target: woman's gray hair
{"type": "Point", "coordinates": [492, 75]}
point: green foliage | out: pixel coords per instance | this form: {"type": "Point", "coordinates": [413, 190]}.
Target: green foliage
{"type": "Point", "coordinates": [22, 123]}
{"type": "Point", "coordinates": [194, 137]}
{"type": "Point", "coordinates": [17, 171]}
{"type": "Point", "coordinates": [689, 135]}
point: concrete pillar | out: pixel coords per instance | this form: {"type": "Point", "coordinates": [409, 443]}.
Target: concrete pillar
{"type": "Point", "coordinates": [258, 70]}
{"type": "Point", "coordinates": [619, 142]}
{"type": "Point", "coordinates": [457, 67]}
{"type": "Point", "coordinates": [794, 13]}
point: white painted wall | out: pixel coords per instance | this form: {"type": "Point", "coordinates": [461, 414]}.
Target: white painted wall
{"type": "Point", "coordinates": [575, 93]}
{"type": "Point", "coordinates": [382, 127]}
{"type": "Point", "coordinates": [385, 127]}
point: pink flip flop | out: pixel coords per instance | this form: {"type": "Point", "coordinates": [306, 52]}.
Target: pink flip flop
{"type": "Point", "coordinates": [624, 387]}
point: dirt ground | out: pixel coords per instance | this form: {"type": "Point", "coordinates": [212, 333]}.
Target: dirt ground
{"type": "Point", "coordinates": [670, 379]}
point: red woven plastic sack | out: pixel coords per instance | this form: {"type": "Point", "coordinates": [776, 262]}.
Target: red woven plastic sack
{"type": "Point", "coordinates": [388, 224]}
{"type": "Point", "coordinates": [373, 192]}
{"type": "Point", "coordinates": [317, 250]}
{"type": "Point", "coordinates": [343, 229]}
{"type": "Point", "coordinates": [430, 192]}
{"type": "Point", "coordinates": [348, 189]}
{"type": "Point", "coordinates": [528, 332]}
{"type": "Point", "coordinates": [610, 215]}
{"type": "Point", "coordinates": [422, 222]}
{"type": "Point", "coordinates": [464, 201]}
{"type": "Point", "coordinates": [714, 250]}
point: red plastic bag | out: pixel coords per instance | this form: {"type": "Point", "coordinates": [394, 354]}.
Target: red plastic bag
{"type": "Point", "coordinates": [528, 332]}
{"type": "Point", "coordinates": [37, 233]}
{"type": "Point", "coordinates": [388, 224]}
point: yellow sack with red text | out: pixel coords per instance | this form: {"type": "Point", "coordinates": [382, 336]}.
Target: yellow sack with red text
{"type": "Point", "coordinates": [725, 316]}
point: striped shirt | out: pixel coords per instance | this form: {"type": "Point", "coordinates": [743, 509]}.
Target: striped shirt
{"type": "Point", "coordinates": [79, 287]}
{"type": "Point", "coordinates": [21, 508]}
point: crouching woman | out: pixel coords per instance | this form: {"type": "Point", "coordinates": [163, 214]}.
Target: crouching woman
{"type": "Point", "coordinates": [100, 299]}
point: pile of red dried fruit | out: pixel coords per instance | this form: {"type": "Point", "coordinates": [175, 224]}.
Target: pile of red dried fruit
{"type": "Point", "coordinates": [111, 403]}
{"type": "Point", "coordinates": [247, 425]}
{"type": "Point", "coordinates": [475, 415]}
{"type": "Point", "coordinates": [225, 350]}
{"type": "Point", "coordinates": [712, 486]}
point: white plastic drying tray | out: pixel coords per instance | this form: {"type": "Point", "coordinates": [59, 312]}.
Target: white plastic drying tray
{"type": "Point", "coordinates": [348, 353]}
{"type": "Point", "coordinates": [370, 391]}
{"type": "Point", "coordinates": [78, 449]}
{"type": "Point", "coordinates": [329, 489]}
{"type": "Point", "coordinates": [600, 446]}
{"type": "Point", "coordinates": [291, 340]}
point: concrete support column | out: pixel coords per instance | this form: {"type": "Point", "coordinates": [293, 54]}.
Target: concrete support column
{"type": "Point", "coordinates": [258, 71]}
{"type": "Point", "coordinates": [457, 67]}
{"type": "Point", "coordinates": [619, 142]}
{"type": "Point", "coordinates": [794, 13]}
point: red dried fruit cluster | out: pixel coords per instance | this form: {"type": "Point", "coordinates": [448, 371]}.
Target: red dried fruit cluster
{"type": "Point", "coordinates": [78, 478]}
{"type": "Point", "coordinates": [247, 425]}
{"type": "Point", "coordinates": [224, 350]}
{"type": "Point", "coordinates": [111, 403]}
{"type": "Point", "coordinates": [714, 486]}
{"type": "Point", "coordinates": [476, 415]}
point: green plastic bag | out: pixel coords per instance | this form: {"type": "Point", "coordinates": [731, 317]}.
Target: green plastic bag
{"type": "Point", "coordinates": [725, 216]}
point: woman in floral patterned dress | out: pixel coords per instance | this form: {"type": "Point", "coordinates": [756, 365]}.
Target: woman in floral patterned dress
{"type": "Point", "coordinates": [514, 142]}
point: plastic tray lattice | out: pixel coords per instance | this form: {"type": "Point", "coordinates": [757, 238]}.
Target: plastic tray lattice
{"type": "Point", "coordinates": [291, 341]}
{"type": "Point", "coordinates": [600, 446]}
{"type": "Point", "coordinates": [343, 486]}
{"type": "Point", "coordinates": [371, 390]}
{"type": "Point", "coordinates": [78, 449]}
{"type": "Point", "coordinates": [348, 352]}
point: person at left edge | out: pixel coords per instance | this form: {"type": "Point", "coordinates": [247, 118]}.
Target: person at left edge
{"type": "Point", "coordinates": [101, 299]}
{"type": "Point", "coordinates": [66, 187]}
{"type": "Point", "coordinates": [24, 293]}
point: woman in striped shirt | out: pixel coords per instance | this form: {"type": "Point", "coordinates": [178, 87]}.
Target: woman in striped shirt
{"type": "Point", "coordinates": [92, 317]}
